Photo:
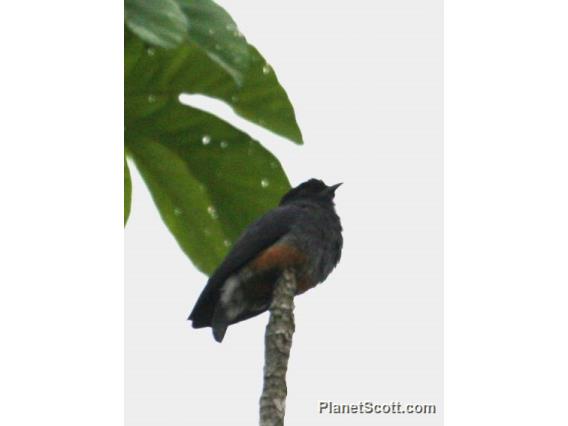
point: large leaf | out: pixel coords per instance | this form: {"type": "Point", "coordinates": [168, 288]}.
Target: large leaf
{"type": "Point", "coordinates": [208, 179]}
{"type": "Point", "coordinates": [260, 98]}
{"type": "Point", "coordinates": [127, 192]}
{"type": "Point", "coordinates": [158, 22]}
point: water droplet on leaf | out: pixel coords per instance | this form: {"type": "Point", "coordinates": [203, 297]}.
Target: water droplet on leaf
{"type": "Point", "coordinates": [150, 51]}
{"type": "Point", "coordinates": [151, 99]}
{"type": "Point", "coordinates": [227, 243]}
{"type": "Point", "coordinates": [212, 212]}
{"type": "Point", "coordinates": [264, 183]}
{"type": "Point", "coordinates": [224, 144]}
{"type": "Point", "coordinates": [206, 139]}
{"type": "Point", "coordinates": [266, 68]}
{"type": "Point", "coordinates": [178, 211]}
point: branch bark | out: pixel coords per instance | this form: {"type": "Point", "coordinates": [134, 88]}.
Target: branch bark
{"type": "Point", "coordinates": [278, 343]}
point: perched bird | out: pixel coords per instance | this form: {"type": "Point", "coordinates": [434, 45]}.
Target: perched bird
{"type": "Point", "coordinates": [303, 233]}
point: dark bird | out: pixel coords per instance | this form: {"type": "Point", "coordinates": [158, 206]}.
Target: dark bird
{"type": "Point", "coordinates": [303, 233]}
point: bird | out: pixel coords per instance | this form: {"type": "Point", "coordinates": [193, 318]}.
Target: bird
{"type": "Point", "coordinates": [303, 233]}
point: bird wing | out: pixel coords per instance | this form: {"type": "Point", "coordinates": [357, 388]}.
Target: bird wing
{"type": "Point", "coordinates": [256, 237]}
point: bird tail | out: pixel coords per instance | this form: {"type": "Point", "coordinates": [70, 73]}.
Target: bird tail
{"type": "Point", "coordinates": [219, 323]}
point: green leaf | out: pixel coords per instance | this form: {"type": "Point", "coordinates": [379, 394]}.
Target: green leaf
{"type": "Point", "coordinates": [208, 179]}
{"type": "Point", "coordinates": [260, 98]}
{"type": "Point", "coordinates": [214, 31]}
{"type": "Point", "coordinates": [127, 192]}
{"type": "Point", "coordinates": [158, 22]}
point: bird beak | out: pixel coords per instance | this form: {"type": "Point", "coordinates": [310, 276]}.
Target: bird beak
{"type": "Point", "coordinates": [332, 188]}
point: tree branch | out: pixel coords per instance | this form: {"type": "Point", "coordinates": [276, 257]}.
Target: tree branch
{"type": "Point", "coordinates": [278, 342]}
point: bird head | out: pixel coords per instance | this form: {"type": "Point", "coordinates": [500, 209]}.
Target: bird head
{"type": "Point", "coordinates": [313, 189]}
